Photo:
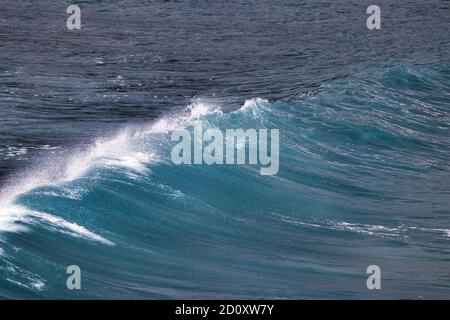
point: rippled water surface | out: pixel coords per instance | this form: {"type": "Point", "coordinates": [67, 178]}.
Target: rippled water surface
{"type": "Point", "coordinates": [86, 175]}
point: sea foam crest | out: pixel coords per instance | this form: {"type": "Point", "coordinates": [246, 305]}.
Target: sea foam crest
{"type": "Point", "coordinates": [131, 148]}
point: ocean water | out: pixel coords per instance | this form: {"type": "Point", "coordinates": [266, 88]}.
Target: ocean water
{"type": "Point", "coordinates": [85, 171]}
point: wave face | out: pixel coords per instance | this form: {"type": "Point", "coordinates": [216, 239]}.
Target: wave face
{"type": "Point", "coordinates": [363, 180]}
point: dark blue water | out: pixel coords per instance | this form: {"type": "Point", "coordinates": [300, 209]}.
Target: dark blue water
{"type": "Point", "coordinates": [86, 175]}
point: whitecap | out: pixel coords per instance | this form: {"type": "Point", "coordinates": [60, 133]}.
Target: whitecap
{"type": "Point", "coordinates": [11, 216]}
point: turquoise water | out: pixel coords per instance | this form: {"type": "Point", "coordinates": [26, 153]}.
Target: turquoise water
{"type": "Point", "coordinates": [362, 180]}
{"type": "Point", "coordinates": [86, 176]}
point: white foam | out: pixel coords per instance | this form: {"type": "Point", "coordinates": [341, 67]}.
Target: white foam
{"type": "Point", "coordinates": [9, 216]}
{"type": "Point", "coordinates": [70, 228]}
{"type": "Point", "coordinates": [445, 232]}
{"type": "Point", "coordinates": [38, 285]}
{"type": "Point", "coordinates": [73, 193]}
{"type": "Point", "coordinates": [117, 151]}
{"type": "Point", "coordinates": [195, 110]}
{"type": "Point", "coordinates": [369, 229]}
{"type": "Point", "coordinates": [202, 107]}
{"type": "Point", "coordinates": [130, 149]}
{"type": "Point", "coordinates": [401, 231]}
{"type": "Point", "coordinates": [19, 214]}
{"type": "Point", "coordinates": [253, 105]}
{"type": "Point", "coordinates": [20, 152]}
{"type": "Point", "coordinates": [35, 284]}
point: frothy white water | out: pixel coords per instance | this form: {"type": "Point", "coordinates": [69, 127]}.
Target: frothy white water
{"type": "Point", "coordinates": [116, 151]}
{"type": "Point", "coordinates": [131, 148]}
{"type": "Point", "coordinates": [401, 231]}
{"type": "Point", "coordinates": [167, 124]}
{"type": "Point", "coordinates": [254, 106]}
{"type": "Point", "coordinates": [16, 218]}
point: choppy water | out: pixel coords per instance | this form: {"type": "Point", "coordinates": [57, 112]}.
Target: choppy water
{"type": "Point", "coordinates": [85, 123]}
